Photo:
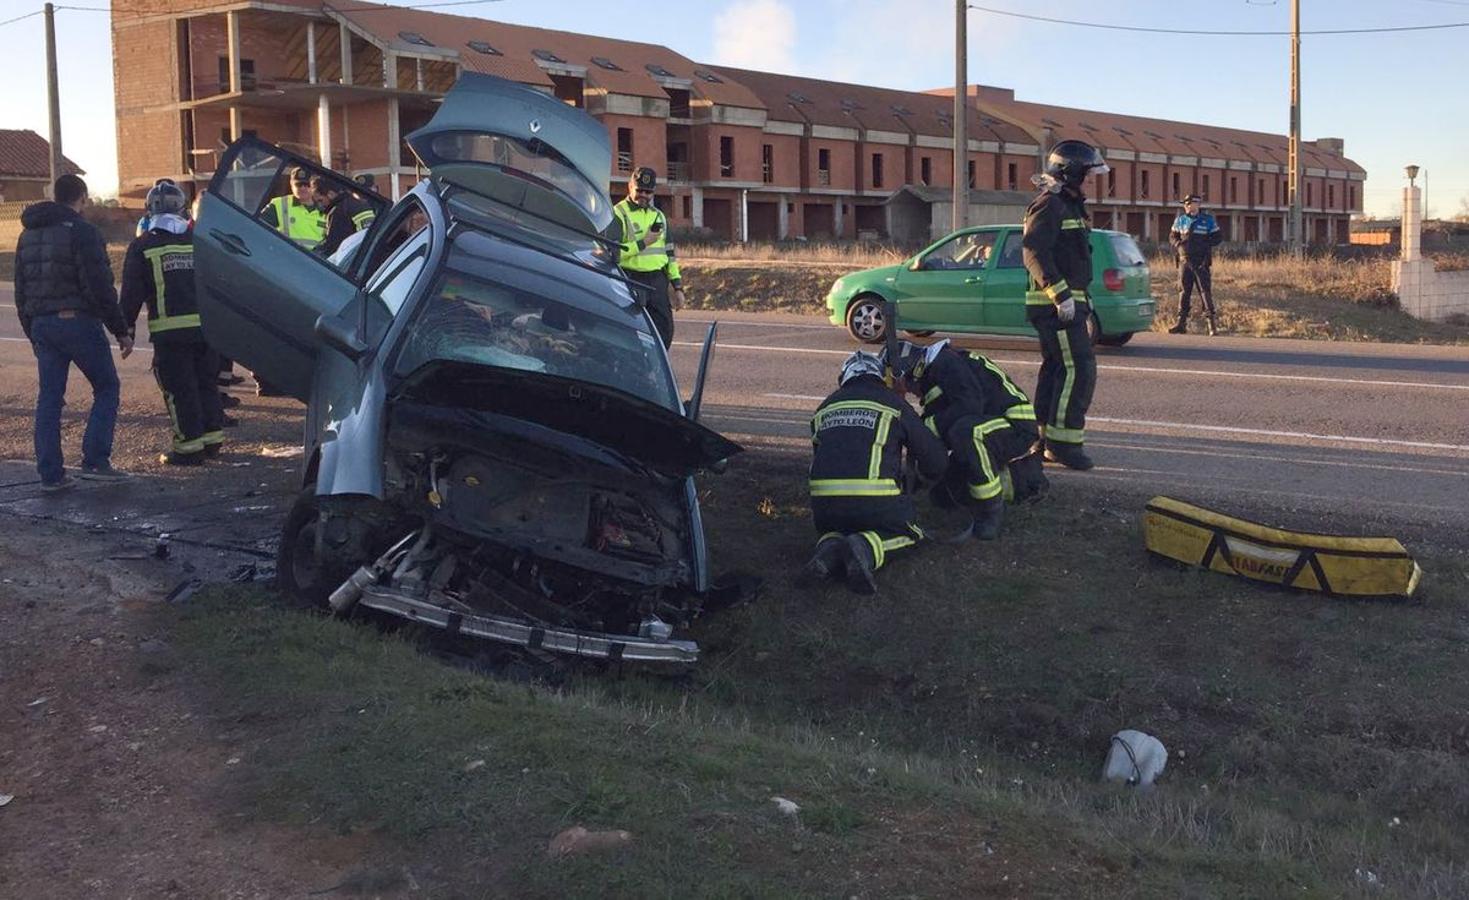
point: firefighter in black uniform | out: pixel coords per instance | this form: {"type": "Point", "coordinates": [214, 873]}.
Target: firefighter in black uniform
{"type": "Point", "coordinates": [158, 272]}
{"type": "Point", "coordinates": [1058, 255]}
{"type": "Point", "coordinates": [986, 421]}
{"type": "Point", "coordinates": [859, 501]}
{"type": "Point", "coordinates": [345, 213]}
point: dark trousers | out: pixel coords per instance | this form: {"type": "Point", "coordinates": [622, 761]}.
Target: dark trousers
{"type": "Point", "coordinates": [980, 449]}
{"type": "Point", "coordinates": [656, 299]}
{"type": "Point", "coordinates": [1068, 376]}
{"type": "Point", "coordinates": [1190, 275]}
{"type": "Point", "coordinates": [59, 341]}
{"type": "Point", "coordinates": [187, 373]}
{"type": "Point", "coordinates": [886, 523]}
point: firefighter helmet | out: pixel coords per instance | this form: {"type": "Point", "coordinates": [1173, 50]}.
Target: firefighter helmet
{"type": "Point", "coordinates": [166, 198]}
{"type": "Point", "coordinates": [1072, 162]}
{"type": "Point", "coordinates": [859, 364]}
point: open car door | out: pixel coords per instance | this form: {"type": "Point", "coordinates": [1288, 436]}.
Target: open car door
{"type": "Point", "coordinates": [513, 144]}
{"type": "Point", "coordinates": [260, 294]}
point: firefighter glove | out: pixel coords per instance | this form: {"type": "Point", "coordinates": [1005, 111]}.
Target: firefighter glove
{"type": "Point", "coordinates": [1066, 310]}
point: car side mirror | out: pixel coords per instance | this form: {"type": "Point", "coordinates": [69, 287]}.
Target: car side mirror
{"type": "Point", "coordinates": [341, 336]}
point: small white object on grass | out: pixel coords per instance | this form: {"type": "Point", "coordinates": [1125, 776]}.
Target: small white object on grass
{"type": "Point", "coordinates": [1135, 758]}
{"type": "Point", "coordinates": [785, 806]}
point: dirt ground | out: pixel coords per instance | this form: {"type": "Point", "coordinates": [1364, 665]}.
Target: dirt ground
{"type": "Point", "coordinates": [120, 786]}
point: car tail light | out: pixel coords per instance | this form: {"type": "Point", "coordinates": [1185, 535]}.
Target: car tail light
{"type": "Point", "coordinates": [1112, 280]}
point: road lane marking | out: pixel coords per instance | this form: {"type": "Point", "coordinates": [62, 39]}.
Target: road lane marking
{"type": "Point", "coordinates": [1213, 373]}
{"type": "Point", "coordinates": [1225, 429]}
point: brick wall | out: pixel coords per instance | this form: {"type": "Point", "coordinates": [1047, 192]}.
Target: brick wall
{"type": "Point", "coordinates": [745, 158]}
{"type": "Point", "coordinates": [649, 144]}
{"type": "Point", "coordinates": [144, 70]}
{"type": "Point", "coordinates": [892, 165]}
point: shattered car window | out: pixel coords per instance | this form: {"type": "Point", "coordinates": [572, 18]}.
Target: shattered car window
{"type": "Point", "coordinates": [476, 321]}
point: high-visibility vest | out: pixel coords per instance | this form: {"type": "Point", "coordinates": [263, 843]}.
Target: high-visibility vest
{"type": "Point", "coordinates": [298, 222]}
{"type": "Point", "coordinates": [656, 255]}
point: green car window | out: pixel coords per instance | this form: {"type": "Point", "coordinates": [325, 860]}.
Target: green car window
{"type": "Point", "coordinates": [964, 251]}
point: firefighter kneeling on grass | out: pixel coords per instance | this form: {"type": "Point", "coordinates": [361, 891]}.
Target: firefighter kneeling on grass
{"type": "Point", "coordinates": [858, 497]}
{"type": "Point", "coordinates": [159, 273]}
{"type": "Point", "coordinates": [988, 424]}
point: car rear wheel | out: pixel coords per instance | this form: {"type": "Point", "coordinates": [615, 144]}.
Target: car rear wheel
{"type": "Point", "coordinates": [866, 319]}
{"type": "Point", "coordinates": [1093, 328]}
{"type": "Point", "coordinates": [1115, 340]}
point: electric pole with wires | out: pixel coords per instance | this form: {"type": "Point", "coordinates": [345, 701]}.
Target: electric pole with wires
{"type": "Point", "coordinates": [1297, 221]}
{"type": "Point", "coordinates": [53, 94]}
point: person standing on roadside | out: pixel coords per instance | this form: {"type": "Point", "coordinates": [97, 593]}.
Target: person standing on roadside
{"type": "Point", "coordinates": [1194, 236]}
{"type": "Point", "coordinates": [1057, 251]}
{"type": "Point", "coordinates": [646, 256]}
{"type": "Point", "coordinates": [65, 298]}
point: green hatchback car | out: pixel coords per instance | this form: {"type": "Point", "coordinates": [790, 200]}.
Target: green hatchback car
{"type": "Point", "coordinates": [974, 281]}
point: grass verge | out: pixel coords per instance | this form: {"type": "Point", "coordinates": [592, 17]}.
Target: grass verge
{"type": "Point", "coordinates": [942, 738]}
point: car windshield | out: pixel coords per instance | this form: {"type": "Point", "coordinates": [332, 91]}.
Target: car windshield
{"type": "Point", "coordinates": [533, 160]}
{"type": "Point", "coordinates": [467, 319]}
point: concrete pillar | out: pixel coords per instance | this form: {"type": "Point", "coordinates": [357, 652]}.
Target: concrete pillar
{"type": "Point", "coordinates": [1147, 225]}
{"type": "Point", "coordinates": [394, 151]}
{"type": "Point", "coordinates": [783, 219]}
{"type": "Point", "coordinates": [837, 217]}
{"type": "Point", "coordinates": [696, 201]}
{"type": "Point", "coordinates": [311, 52]}
{"type": "Point", "coordinates": [324, 130]}
{"type": "Point", "coordinates": [346, 39]}
{"type": "Point", "coordinates": [232, 26]}
{"type": "Point", "coordinates": [1412, 224]}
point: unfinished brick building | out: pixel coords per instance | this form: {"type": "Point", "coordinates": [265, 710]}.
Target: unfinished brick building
{"type": "Point", "coordinates": [745, 154]}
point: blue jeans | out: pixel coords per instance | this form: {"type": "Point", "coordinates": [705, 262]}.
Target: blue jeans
{"type": "Point", "coordinates": [59, 342]}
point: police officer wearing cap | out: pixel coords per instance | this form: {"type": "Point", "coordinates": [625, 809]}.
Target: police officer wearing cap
{"type": "Point", "coordinates": [295, 214]}
{"type": "Point", "coordinates": [1194, 236]}
{"type": "Point", "coordinates": [1057, 251]}
{"type": "Point", "coordinates": [645, 254]}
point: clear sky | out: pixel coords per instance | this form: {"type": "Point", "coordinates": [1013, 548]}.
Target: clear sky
{"type": "Point", "coordinates": [1395, 98]}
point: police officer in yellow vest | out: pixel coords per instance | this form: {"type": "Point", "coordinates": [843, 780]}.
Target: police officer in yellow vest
{"type": "Point", "coordinates": [295, 214]}
{"type": "Point", "coordinates": [646, 257]}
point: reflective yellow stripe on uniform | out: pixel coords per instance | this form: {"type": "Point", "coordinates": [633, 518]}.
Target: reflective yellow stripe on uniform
{"type": "Point", "coordinates": [874, 540]}
{"type": "Point", "coordinates": [298, 222]}
{"type": "Point", "coordinates": [158, 258]}
{"type": "Point", "coordinates": [991, 486]}
{"type": "Point", "coordinates": [1069, 224]}
{"type": "Point", "coordinates": [933, 394]}
{"type": "Point", "coordinates": [363, 219]}
{"type": "Point", "coordinates": [1000, 373]}
{"type": "Point", "coordinates": [1054, 290]}
{"type": "Point", "coordinates": [1021, 412]}
{"type": "Point", "coordinates": [1059, 424]}
{"type": "Point", "coordinates": [854, 487]}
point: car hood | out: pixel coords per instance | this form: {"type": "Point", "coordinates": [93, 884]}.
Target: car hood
{"type": "Point", "coordinates": [868, 277]}
{"type": "Point", "coordinates": [639, 430]}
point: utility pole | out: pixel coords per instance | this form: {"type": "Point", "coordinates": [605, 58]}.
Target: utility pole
{"type": "Point", "coordinates": [53, 95]}
{"type": "Point", "coordinates": [961, 107]}
{"type": "Point", "coordinates": [1297, 222]}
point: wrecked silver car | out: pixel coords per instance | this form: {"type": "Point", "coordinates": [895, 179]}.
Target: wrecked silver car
{"type": "Point", "coordinates": [495, 444]}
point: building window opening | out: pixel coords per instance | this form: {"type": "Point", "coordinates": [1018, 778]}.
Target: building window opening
{"type": "Point", "coordinates": [1145, 187]}
{"type": "Point", "coordinates": [1206, 187]}
{"type": "Point", "coordinates": [877, 170]}
{"type": "Point", "coordinates": [767, 163]}
{"type": "Point", "coordinates": [823, 167]}
{"type": "Point", "coordinates": [1177, 184]}
{"type": "Point", "coordinates": [925, 170]}
{"type": "Point", "coordinates": [1012, 176]}
{"type": "Point", "coordinates": [247, 74]}
{"type": "Point", "coordinates": [678, 103]}
{"type": "Point", "coordinates": [1233, 189]}
{"type": "Point", "coordinates": [624, 149]}
{"type": "Point", "coordinates": [726, 157]}
{"type": "Point", "coordinates": [568, 90]}
{"type": "Point", "coordinates": [969, 175]}
{"type": "Point", "coordinates": [1112, 183]}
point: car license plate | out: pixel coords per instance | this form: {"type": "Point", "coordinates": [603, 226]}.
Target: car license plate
{"type": "Point", "coordinates": [1145, 310]}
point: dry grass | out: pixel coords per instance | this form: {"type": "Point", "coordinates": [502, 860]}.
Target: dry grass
{"type": "Point", "coordinates": [845, 255]}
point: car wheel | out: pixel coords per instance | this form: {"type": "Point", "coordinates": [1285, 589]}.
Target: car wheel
{"type": "Point", "coordinates": [866, 320]}
{"type": "Point", "coordinates": [299, 572]}
{"type": "Point", "coordinates": [1115, 340]}
{"type": "Point", "coordinates": [922, 333]}
{"type": "Point", "coordinates": [1093, 328]}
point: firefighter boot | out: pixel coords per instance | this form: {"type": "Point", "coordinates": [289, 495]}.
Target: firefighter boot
{"type": "Point", "coordinates": [1213, 326]}
{"type": "Point", "coordinates": [989, 515]}
{"type": "Point", "coordinates": [1069, 455]}
{"type": "Point", "coordinates": [826, 563]}
{"type": "Point", "coordinates": [1181, 327]}
{"type": "Point", "coordinates": [860, 565]}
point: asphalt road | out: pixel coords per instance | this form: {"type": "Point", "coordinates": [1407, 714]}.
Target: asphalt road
{"type": "Point", "coordinates": [1351, 437]}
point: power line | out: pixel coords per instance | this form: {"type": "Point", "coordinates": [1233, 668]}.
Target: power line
{"type": "Point", "coordinates": [22, 18]}
{"type": "Point", "coordinates": [1207, 33]}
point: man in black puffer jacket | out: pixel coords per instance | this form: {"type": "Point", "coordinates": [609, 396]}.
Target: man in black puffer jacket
{"type": "Point", "coordinates": [65, 298]}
